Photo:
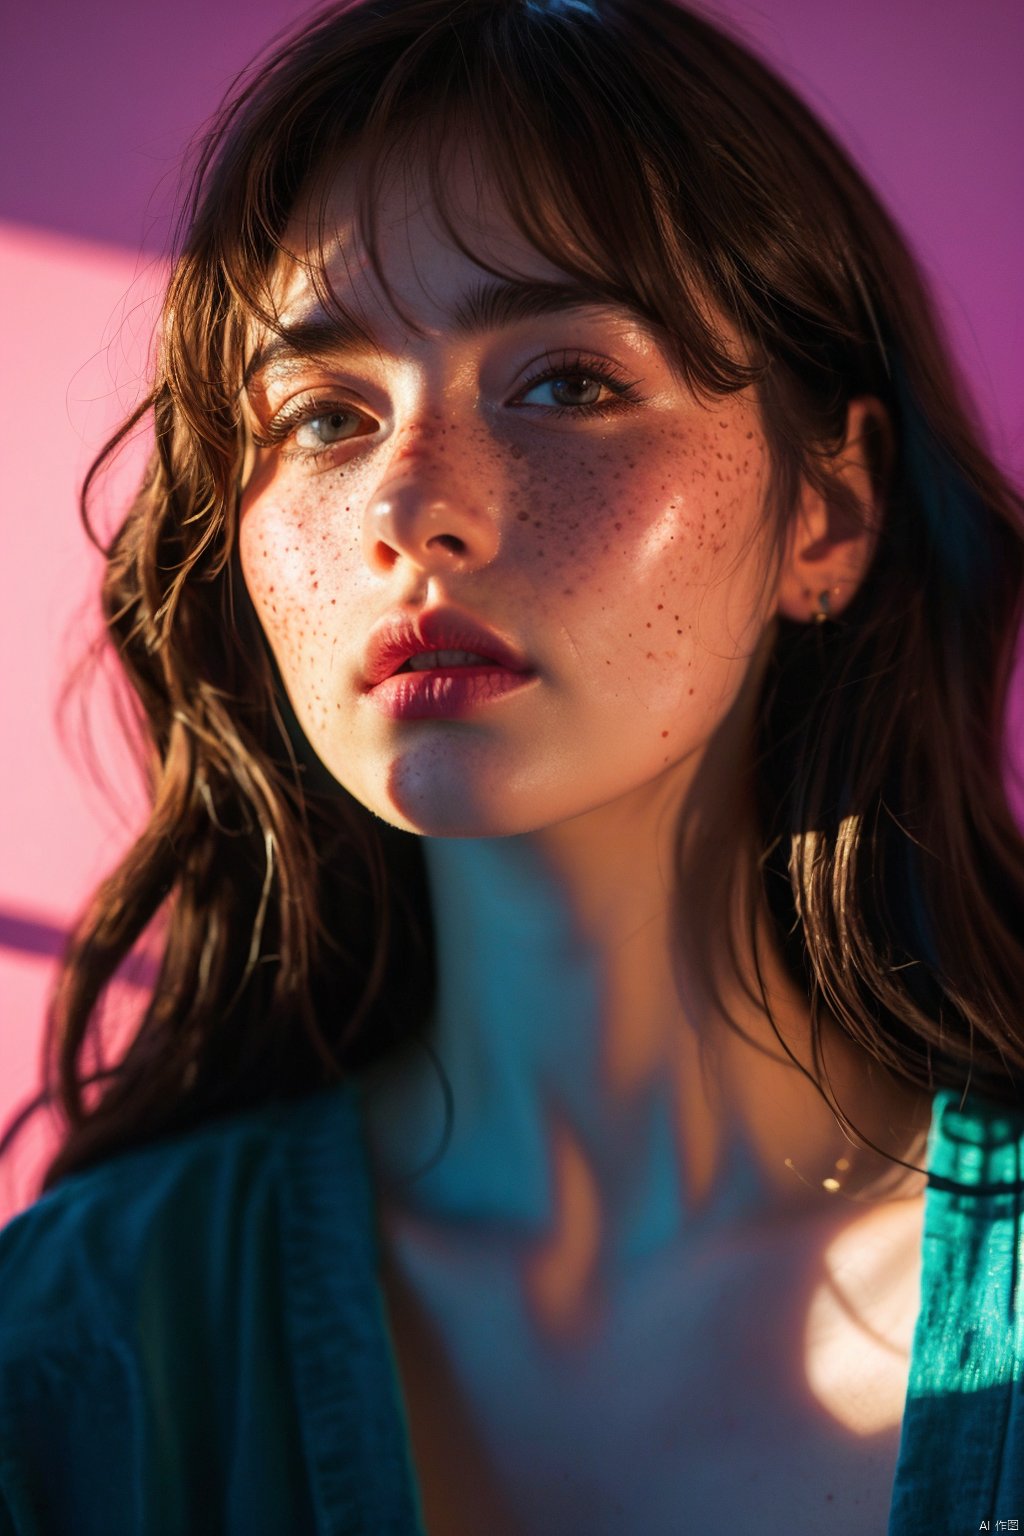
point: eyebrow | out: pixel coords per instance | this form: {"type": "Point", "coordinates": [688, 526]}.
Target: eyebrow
{"type": "Point", "coordinates": [490, 306]}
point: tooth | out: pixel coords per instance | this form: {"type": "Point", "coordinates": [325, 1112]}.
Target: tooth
{"type": "Point", "coordinates": [427, 660]}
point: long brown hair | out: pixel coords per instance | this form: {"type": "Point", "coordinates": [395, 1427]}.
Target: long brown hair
{"type": "Point", "coordinates": [657, 161]}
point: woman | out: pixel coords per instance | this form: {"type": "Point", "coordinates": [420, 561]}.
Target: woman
{"type": "Point", "coordinates": [572, 616]}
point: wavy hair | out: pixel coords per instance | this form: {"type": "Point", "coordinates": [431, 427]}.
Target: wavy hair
{"type": "Point", "coordinates": [656, 160]}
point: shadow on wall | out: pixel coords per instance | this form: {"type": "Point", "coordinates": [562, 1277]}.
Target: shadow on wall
{"type": "Point", "coordinates": [35, 936]}
{"type": "Point", "coordinates": [31, 936]}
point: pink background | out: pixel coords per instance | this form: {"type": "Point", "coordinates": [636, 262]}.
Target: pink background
{"type": "Point", "coordinates": [96, 107]}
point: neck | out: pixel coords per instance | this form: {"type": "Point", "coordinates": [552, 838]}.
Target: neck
{"type": "Point", "coordinates": [556, 960]}
{"type": "Point", "coordinates": [586, 1056]}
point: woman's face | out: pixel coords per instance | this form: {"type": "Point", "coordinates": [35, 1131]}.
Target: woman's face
{"type": "Point", "coordinates": [525, 462]}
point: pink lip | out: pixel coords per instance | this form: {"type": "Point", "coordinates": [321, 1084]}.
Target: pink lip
{"type": "Point", "coordinates": [441, 693]}
{"type": "Point", "coordinates": [444, 693]}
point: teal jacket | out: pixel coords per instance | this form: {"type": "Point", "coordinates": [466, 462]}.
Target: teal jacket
{"type": "Point", "coordinates": [192, 1339]}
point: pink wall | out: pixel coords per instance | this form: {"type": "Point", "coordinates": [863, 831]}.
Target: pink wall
{"type": "Point", "coordinates": [99, 101]}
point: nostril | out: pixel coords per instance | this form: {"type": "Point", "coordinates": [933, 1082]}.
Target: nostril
{"type": "Point", "coordinates": [449, 541]}
{"type": "Point", "coordinates": [386, 555]}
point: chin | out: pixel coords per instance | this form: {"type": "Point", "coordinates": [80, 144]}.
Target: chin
{"type": "Point", "coordinates": [446, 805]}
{"type": "Point", "coordinates": [442, 788]}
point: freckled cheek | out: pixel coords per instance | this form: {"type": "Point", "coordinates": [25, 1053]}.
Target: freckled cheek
{"type": "Point", "coordinates": [296, 564]}
{"type": "Point", "coordinates": [582, 515]}
{"type": "Point", "coordinates": [653, 569]}
{"type": "Point", "coordinates": [668, 494]}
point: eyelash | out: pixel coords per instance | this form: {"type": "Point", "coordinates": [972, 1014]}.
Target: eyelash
{"type": "Point", "coordinates": [295, 415]}
{"type": "Point", "coordinates": [575, 365]}
{"type": "Point", "coordinates": [598, 371]}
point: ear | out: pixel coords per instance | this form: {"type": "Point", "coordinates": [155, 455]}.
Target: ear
{"type": "Point", "coordinates": [830, 547]}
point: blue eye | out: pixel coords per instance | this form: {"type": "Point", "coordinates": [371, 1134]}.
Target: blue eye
{"type": "Point", "coordinates": [323, 431]}
{"type": "Point", "coordinates": [574, 385]}
{"type": "Point", "coordinates": [314, 428]}
{"type": "Point", "coordinates": [568, 390]}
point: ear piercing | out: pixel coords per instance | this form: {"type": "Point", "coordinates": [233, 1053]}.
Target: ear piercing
{"type": "Point", "coordinates": [832, 1185]}
{"type": "Point", "coordinates": [824, 609]}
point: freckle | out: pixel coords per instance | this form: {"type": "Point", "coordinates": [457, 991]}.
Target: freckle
{"type": "Point", "coordinates": [648, 623]}
{"type": "Point", "coordinates": [691, 691]}
{"type": "Point", "coordinates": [524, 517]}
{"type": "Point", "coordinates": [749, 435]}
{"type": "Point", "coordinates": [618, 527]}
{"type": "Point", "coordinates": [517, 453]}
{"type": "Point", "coordinates": [568, 591]}
{"type": "Point", "coordinates": [664, 733]}
{"type": "Point", "coordinates": [660, 607]}
{"type": "Point", "coordinates": [333, 601]}
{"type": "Point", "coordinates": [536, 524]}
{"type": "Point", "coordinates": [678, 631]}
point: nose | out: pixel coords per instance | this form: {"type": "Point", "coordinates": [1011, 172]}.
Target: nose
{"type": "Point", "coordinates": [414, 516]}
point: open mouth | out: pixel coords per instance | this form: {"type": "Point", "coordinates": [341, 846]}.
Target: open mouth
{"type": "Point", "coordinates": [446, 684]}
{"type": "Point", "coordinates": [432, 661]}
{"type": "Point", "coordinates": [443, 664]}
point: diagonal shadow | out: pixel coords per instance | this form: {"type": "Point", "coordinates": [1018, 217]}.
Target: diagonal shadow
{"type": "Point", "coordinates": [34, 936]}
{"type": "Point", "coordinates": [31, 936]}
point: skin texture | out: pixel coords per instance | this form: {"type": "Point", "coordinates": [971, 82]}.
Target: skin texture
{"type": "Point", "coordinates": [626, 555]}
{"type": "Point", "coordinates": [628, 1189]}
